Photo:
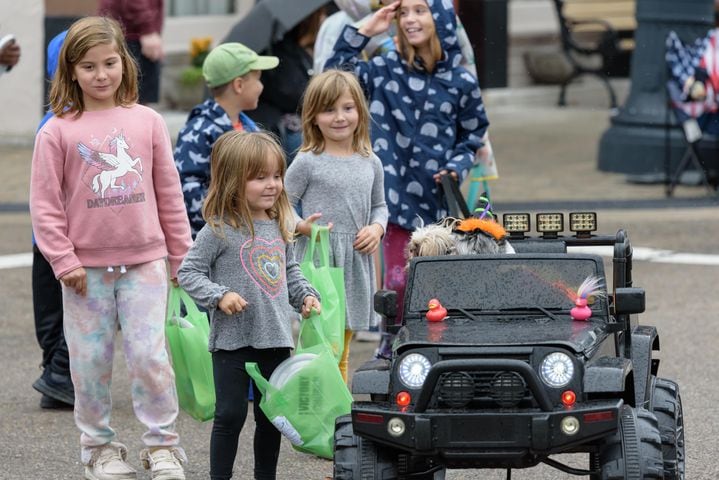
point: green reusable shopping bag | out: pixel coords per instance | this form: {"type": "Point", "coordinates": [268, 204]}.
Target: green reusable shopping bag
{"type": "Point", "coordinates": [306, 406]}
{"type": "Point", "coordinates": [187, 337]}
{"type": "Point", "coordinates": [330, 283]}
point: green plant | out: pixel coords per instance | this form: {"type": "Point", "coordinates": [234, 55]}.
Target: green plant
{"type": "Point", "coordinates": [199, 48]}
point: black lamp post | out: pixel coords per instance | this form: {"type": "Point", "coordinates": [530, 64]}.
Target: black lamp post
{"type": "Point", "coordinates": [643, 135]}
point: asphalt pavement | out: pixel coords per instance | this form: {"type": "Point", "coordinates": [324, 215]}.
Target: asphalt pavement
{"type": "Point", "coordinates": [546, 158]}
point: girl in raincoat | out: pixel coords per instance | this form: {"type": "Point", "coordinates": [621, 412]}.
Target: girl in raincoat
{"type": "Point", "coordinates": [356, 12]}
{"type": "Point", "coordinates": [428, 116]}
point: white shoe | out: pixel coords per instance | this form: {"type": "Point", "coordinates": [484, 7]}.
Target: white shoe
{"type": "Point", "coordinates": [108, 463]}
{"type": "Point", "coordinates": [164, 463]}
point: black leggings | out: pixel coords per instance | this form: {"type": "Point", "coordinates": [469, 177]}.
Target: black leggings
{"type": "Point", "coordinates": [231, 386]}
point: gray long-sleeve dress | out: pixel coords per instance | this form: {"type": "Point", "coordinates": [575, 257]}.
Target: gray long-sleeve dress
{"type": "Point", "coordinates": [349, 192]}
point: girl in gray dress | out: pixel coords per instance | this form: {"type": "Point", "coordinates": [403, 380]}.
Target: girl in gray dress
{"type": "Point", "coordinates": [336, 176]}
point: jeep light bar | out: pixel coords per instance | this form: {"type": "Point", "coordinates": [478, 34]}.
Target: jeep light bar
{"type": "Point", "coordinates": [583, 223]}
{"type": "Point", "coordinates": [550, 224]}
{"type": "Point", "coordinates": [516, 224]}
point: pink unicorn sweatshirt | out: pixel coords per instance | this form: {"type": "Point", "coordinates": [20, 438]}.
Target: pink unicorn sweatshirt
{"type": "Point", "coordinates": [104, 191]}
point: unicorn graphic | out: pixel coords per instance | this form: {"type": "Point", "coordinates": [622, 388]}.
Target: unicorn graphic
{"type": "Point", "coordinates": [113, 166]}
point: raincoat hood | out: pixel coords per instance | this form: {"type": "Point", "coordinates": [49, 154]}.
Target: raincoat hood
{"type": "Point", "coordinates": [211, 118]}
{"type": "Point", "coordinates": [357, 9]}
{"type": "Point", "coordinates": [445, 23]}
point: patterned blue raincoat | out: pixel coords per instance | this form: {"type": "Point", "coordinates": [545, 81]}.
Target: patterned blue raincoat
{"type": "Point", "coordinates": [422, 122]}
{"type": "Point", "coordinates": [206, 122]}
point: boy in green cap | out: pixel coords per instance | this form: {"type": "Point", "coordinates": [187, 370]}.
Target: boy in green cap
{"type": "Point", "coordinates": [232, 72]}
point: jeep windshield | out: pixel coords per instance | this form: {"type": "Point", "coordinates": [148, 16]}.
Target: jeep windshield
{"type": "Point", "coordinates": [501, 284]}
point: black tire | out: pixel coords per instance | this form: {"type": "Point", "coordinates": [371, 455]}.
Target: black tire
{"type": "Point", "coordinates": [634, 451]}
{"type": "Point", "coordinates": [419, 468]}
{"type": "Point", "coordinates": [357, 458]}
{"type": "Point", "coordinates": [667, 407]}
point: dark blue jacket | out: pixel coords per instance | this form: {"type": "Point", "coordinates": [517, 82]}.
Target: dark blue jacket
{"type": "Point", "coordinates": [53, 55]}
{"type": "Point", "coordinates": [206, 122]}
{"type": "Point", "coordinates": [422, 122]}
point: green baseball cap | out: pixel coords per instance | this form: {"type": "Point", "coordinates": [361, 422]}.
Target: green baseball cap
{"type": "Point", "coordinates": [231, 60]}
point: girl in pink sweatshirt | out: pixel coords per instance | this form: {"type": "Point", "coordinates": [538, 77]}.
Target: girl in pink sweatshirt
{"type": "Point", "coordinates": [108, 214]}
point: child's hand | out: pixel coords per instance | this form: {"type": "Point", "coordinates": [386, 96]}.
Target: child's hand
{"type": "Point", "coordinates": [231, 303]}
{"type": "Point", "coordinates": [438, 176]}
{"type": "Point", "coordinates": [368, 238]}
{"type": "Point", "coordinates": [305, 226]}
{"type": "Point", "coordinates": [309, 304]}
{"type": "Point", "coordinates": [76, 279]}
{"type": "Point", "coordinates": [380, 21]}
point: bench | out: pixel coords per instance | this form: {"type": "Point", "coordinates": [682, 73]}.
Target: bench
{"type": "Point", "coordinates": [597, 38]}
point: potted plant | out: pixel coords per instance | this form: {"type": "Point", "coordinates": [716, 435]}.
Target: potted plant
{"type": "Point", "coordinates": [188, 87]}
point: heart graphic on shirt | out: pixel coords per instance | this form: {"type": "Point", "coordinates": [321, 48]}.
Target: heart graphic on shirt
{"type": "Point", "coordinates": [270, 267]}
{"type": "Point", "coordinates": [263, 261]}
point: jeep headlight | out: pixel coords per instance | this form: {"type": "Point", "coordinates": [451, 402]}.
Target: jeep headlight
{"type": "Point", "coordinates": [413, 370]}
{"type": "Point", "coordinates": [556, 370]}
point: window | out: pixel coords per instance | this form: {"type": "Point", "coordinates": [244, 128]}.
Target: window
{"type": "Point", "coordinates": [180, 8]}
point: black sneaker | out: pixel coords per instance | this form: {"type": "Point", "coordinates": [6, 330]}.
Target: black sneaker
{"type": "Point", "coordinates": [52, 404]}
{"type": "Point", "coordinates": [56, 386]}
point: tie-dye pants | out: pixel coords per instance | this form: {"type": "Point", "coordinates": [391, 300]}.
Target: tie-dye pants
{"type": "Point", "coordinates": [136, 300]}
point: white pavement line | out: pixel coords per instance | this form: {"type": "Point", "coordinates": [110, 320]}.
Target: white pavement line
{"type": "Point", "coordinates": [656, 255]}
{"type": "Point", "coordinates": [17, 260]}
{"type": "Point", "coordinates": [645, 254]}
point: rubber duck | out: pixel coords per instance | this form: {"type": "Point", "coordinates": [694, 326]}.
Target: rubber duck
{"type": "Point", "coordinates": [436, 312]}
{"type": "Point", "coordinates": [581, 311]}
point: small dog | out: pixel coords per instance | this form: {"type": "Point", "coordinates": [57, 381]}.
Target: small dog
{"type": "Point", "coordinates": [453, 236]}
{"type": "Point", "coordinates": [432, 239]}
{"type": "Point", "coordinates": [477, 236]}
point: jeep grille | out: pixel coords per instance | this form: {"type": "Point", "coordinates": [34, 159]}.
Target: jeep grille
{"type": "Point", "coordinates": [482, 390]}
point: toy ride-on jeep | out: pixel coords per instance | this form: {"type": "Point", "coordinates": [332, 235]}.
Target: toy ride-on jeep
{"type": "Point", "coordinates": [510, 378]}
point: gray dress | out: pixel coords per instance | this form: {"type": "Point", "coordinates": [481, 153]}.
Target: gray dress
{"type": "Point", "coordinates": [349, 192]}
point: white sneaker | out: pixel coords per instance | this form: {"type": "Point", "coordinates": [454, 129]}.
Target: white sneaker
{"type": "Point", "coordinates": [164, 463]}
{"type": "Point", "coordinates": [108, 463]}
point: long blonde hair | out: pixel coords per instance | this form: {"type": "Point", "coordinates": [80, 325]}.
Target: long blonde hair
{"type": "Point", "coordinates": [236, 158]}
{"type": "Point", "coordinates": [321, 93]}
{"type": "Point", "coordinates": [86, 33]}
{"type": "Point", "coordinates": [409, 53]}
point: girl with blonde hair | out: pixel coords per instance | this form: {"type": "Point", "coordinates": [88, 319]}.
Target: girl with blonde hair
{"type": "Point", "coordinates": [242, 268]}
{"type": "Point", "coordinates": [337, 176]}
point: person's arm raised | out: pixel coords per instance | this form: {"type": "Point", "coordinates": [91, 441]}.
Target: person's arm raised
{"type": "Point", "coordinates": [380, 21]}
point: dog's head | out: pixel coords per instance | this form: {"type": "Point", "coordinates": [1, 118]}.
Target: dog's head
{"type": "Point", "coordinates": [478, 236]}
{"type": "Point", "coordinates": [429, 240]}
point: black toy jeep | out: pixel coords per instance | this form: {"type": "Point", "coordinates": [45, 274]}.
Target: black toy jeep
{"type": "Point", "coordinates": [508, 379]}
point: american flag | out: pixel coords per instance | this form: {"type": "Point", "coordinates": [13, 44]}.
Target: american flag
{"type": "Point", "coordinates": [687, 63]}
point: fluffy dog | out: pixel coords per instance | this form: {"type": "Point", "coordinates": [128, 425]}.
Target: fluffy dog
{"type": "Point", "coordinates": [432, 239]}
{"type": "Point", "coordinates": [453, 236]}
{"type": "Point", "coordinates": [476, 235]}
